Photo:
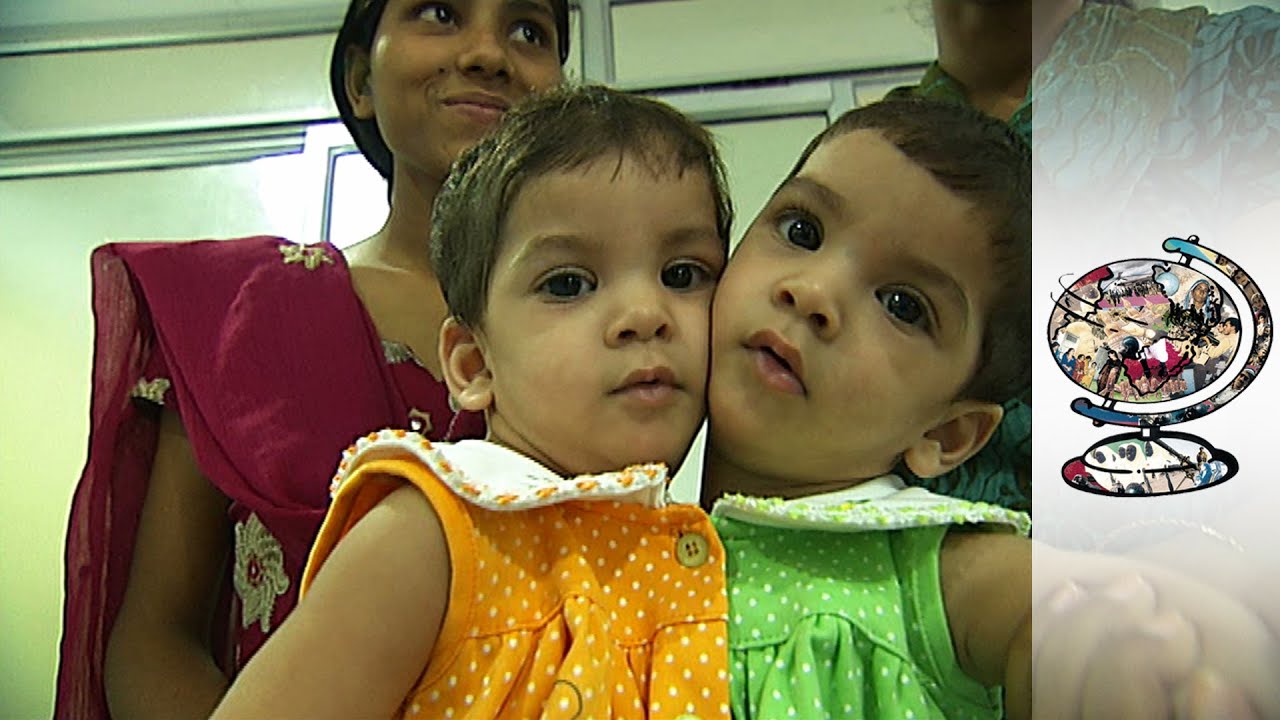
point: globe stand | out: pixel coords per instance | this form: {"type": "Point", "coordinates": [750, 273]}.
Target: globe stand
{"type": "Point", "coordinates": [1148, 461]}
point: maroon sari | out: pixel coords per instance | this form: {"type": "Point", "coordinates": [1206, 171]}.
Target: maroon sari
{"type": "Point", "coordinates": [274, 367]}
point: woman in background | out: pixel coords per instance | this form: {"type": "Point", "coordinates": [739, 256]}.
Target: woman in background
{"type": "Point", "coordinates": [229, 375]}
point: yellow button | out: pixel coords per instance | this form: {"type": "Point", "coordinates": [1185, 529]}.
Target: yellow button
{"type": "Point", "coordinates": [691, 549]}
{"type": "Point", "coordinates": [688, 717]}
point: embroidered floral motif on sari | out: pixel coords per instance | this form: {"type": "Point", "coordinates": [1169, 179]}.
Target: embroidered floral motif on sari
{"type": "Point", "coordinates": [311, 256]}
{"type": "Point", "coordinates": [259, 573]}
{"type": "Point", "coordinates": [151, 390]}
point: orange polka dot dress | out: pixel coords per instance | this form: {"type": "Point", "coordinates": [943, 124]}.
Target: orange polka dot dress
{"type": "Point", "coordinates": [583, 598]}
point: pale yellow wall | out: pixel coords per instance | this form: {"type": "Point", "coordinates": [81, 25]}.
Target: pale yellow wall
{"type": "Point", "coordinates": [48, 227]}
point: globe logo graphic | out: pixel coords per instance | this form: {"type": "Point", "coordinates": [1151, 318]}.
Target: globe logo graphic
{"type": "Point", "coordinates": [1156, 343]}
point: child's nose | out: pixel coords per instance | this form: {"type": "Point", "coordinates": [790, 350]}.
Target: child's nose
{"type": "Point", "coordinates": [811, 299]}
{"type": "Point", "coordinates": [641, 316]}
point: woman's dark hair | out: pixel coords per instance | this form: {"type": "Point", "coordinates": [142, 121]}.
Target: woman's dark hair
{"type": "Point", "coordinates": [358, 28]}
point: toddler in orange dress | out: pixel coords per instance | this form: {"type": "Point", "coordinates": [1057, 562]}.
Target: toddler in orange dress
{"type": "Point", "coordinates": [540, 572]}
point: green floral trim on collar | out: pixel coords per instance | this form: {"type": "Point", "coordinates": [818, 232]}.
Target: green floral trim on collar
{"type": "Point", "coordinates": [907, 508]}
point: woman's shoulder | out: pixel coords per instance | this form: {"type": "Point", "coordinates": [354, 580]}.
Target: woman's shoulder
{"type": "Point", "coordinates": [199, 252]}
{"type": "Point", "coordinates": [215, 272]}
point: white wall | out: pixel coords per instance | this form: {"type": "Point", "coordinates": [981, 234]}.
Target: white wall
{"type": "Point", "coordinates": [262, 94]}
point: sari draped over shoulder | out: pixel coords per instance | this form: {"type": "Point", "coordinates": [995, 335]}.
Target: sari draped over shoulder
{"type": "Point", "coordinates": [267, 355]}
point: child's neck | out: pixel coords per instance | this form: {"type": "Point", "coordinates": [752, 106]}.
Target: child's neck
{"type": "Point", "coordinates": [721, 475]}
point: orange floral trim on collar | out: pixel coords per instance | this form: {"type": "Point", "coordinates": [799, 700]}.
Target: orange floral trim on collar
{"type": "Point", "coordinates": [497, 478]}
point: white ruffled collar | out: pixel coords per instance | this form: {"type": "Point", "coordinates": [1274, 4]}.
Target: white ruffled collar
{"type": "Point", "coordinates": [881, 503]}
{"type": "Point", "coordinates": [498, 478]}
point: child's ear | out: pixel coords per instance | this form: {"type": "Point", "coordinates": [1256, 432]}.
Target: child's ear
{"type": "Point", "coordinates": [465, 369]}
{"type": "Point", "coordinates": [356, 80]}
{"type": "Point", "coordinates": [966, 430]}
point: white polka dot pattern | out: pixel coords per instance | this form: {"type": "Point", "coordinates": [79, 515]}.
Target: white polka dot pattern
{"type": "Point", "coordinates": [850, 624]}
{"type": "Point", "coordinates": [574, 609]}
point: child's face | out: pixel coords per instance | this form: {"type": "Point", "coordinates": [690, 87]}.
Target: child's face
{"type": "Point", "coordinates": [595, 338]}
{"type": "Point", "coordinates": [849, 318]}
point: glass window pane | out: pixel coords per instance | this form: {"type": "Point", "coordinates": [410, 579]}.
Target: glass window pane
{"type": "Point", "coordinates": [357, 201]}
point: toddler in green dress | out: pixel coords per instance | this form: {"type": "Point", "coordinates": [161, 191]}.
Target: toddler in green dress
{"type": "Point", "coordinates": [872, 323]}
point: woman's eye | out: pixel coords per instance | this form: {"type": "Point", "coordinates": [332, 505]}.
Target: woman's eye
{"type": "Point", "coordinates": [531, 33]}
{"type": "Point", "coordinates": [685, 276]}
{"type": "Point", "coordinates": [566, 285]}
{"type": "Point", "coordinates": [800, 230]}
{"type": "Point", "coordinates": [437, 13]}
{"type": "Point", "coordinates": [905, 307]}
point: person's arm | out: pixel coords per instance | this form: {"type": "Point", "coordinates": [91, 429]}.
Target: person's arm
{"type": "Point", "coordinates": [1240, 562]}
{"type": "Point", "coordinates": [986, 590]}
{"type": "Point", "coordinates": [159, 663]}
{"type": "Point", "coordinates": [1113, 638]}
{"type": "Point", "coordinates": [361, 637]}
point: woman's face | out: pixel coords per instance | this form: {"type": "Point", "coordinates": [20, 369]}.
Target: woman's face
{"type": "Point", "coordinates": [442, 74]}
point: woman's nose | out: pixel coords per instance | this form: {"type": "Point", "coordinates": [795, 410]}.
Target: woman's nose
{"type": "Point", "coordinates": [484, 52]}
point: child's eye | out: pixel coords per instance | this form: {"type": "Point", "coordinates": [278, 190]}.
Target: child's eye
{"type": "Point", "coordinates": [527, 31]}
{"type": "Point", "coordinates": [686, 275]}
{"type": "Point", "coordinates": [437, 13]}
{"type": "Point", "coordinates": [905, 307]}
{"type": "Point", "coordinates": [800, 229]}
{"type": "Point", "coordinates": [566, 285]}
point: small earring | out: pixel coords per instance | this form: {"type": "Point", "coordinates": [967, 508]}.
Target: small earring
{"type": "Point", "coordinates": [419, 421]}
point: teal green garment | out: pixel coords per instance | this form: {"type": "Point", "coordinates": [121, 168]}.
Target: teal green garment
{"type": "Point", "coordinates": [842, 625]}
{"type": "Point", "coordinates": [936, 84]}
{"type": "Point", "coordinates": [1160, 117]}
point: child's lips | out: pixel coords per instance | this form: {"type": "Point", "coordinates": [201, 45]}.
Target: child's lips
{"type": "Point", "coordinates": [778, 363]}
{"type": "Point", "coordinates": [775, 374]}
{"type": "Point", "coordinates": [649, 386]}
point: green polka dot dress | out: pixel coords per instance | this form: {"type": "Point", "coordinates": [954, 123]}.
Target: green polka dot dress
{"type": "Point", "coordinates": [835, 605]}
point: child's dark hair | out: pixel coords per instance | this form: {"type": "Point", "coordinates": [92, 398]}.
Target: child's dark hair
{"type": "Point", "coordinates": [984, 162]}
{"type": "Point", "coordinates": [561, 130]}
